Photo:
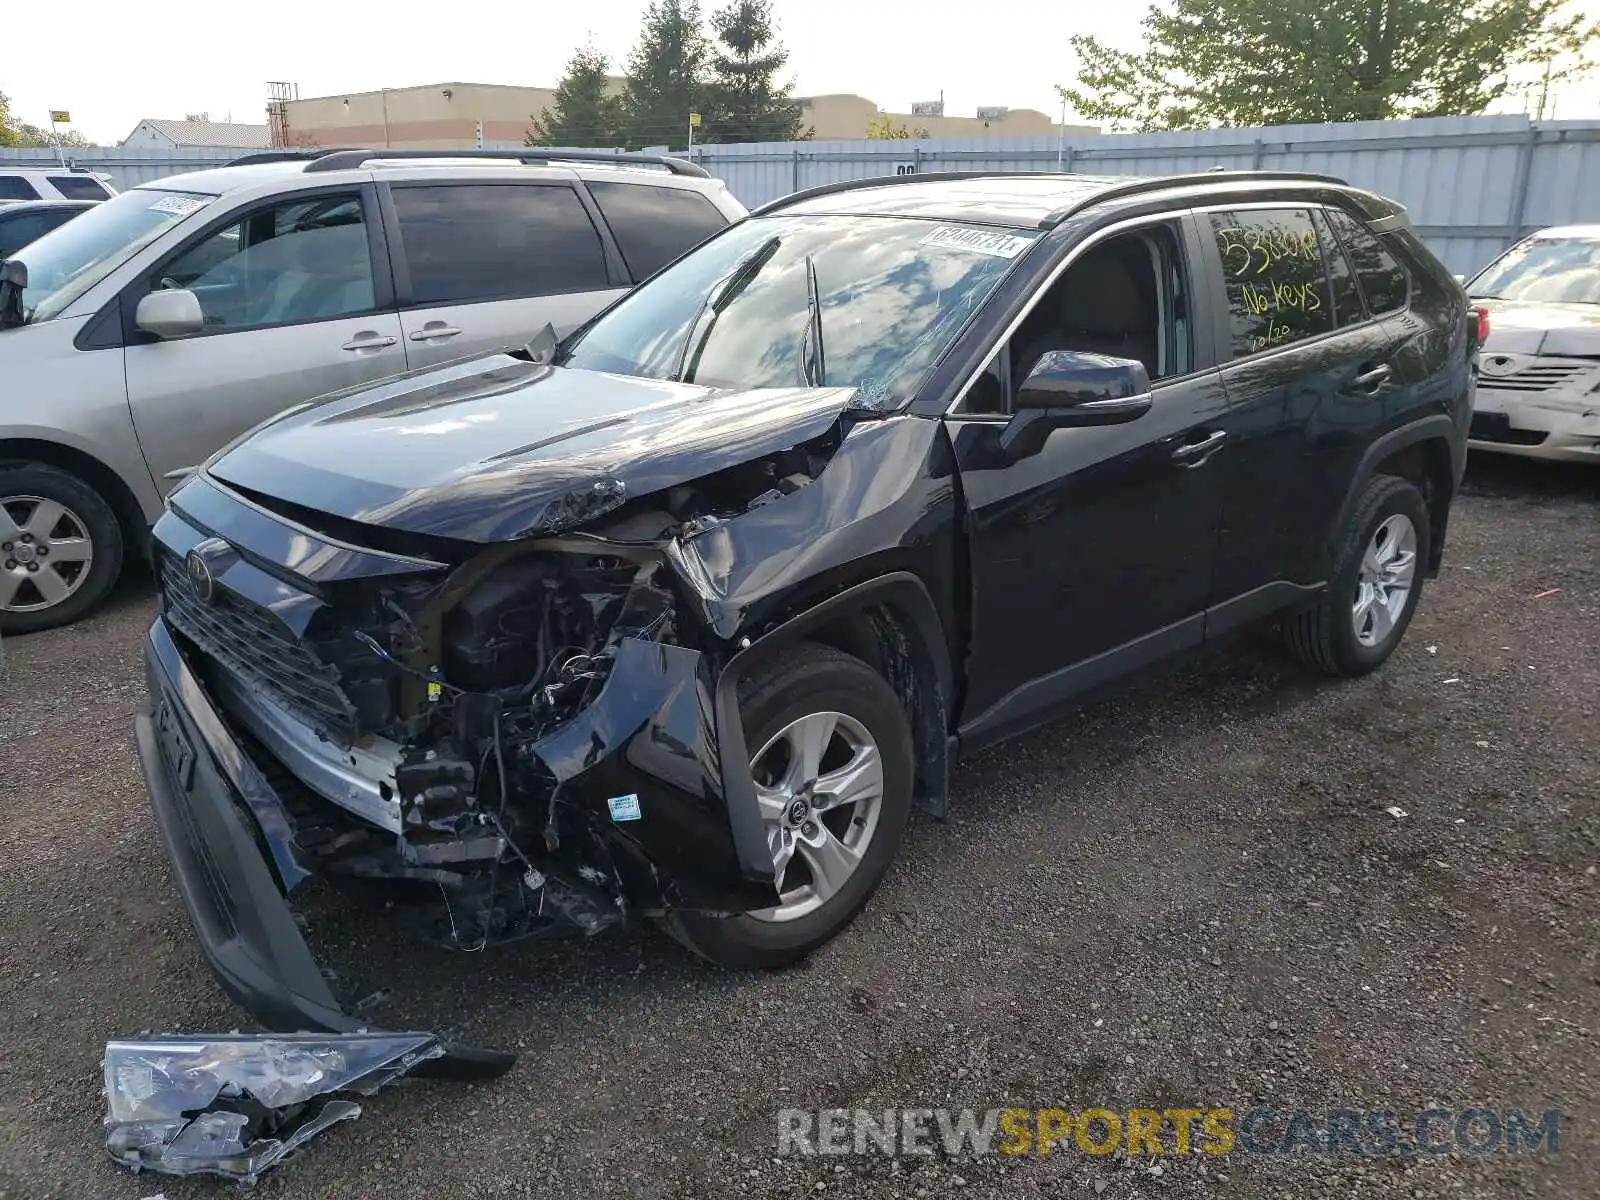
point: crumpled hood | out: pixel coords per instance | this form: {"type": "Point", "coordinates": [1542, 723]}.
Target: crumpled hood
{"type": "Point", "coordinates": [1525, 327]}
{"type": "Point", "coordinates": [497, 448]}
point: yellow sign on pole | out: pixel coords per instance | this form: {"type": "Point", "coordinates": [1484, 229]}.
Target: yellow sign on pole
{"type": "Point", "coordinates": [694, 120]}
{"type": "Point", "coordinates": [60, 116]}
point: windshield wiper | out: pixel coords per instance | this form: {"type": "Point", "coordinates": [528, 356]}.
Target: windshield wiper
{"type": "Point", "coordinates": [813, 365]}
{"type": "Point", "coordinates": [717, 300]}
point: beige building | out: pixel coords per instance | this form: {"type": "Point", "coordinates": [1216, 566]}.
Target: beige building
{"type": "Point", "coordinates": [461, 115]}
{"type": "Point", "coordinates": [845, 115]}
{"type": "Point", "coordinates": [454, 115]}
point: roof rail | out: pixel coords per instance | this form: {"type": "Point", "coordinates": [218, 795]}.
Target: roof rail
{"type": "Point", "coordinates": [344, 160]}
{"type": "Point", "coordinates": [275, 156]}
{"type": "Point", "coordinates": [1131, 187]}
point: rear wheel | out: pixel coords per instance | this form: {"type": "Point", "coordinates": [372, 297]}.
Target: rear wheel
{"type": "Point", "coordinates": [1357, 623]}
{"type": "Point", "coordinates": [832, 763]}
{"type": "Point", "coordinates": [60, 547]}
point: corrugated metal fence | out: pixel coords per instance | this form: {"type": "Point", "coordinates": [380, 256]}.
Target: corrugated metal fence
{"type": "Point", "coordinates": [1473, 184]}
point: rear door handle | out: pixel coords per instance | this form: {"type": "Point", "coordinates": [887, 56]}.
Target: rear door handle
{"type": "Point", "coordinates": [368, 340]}
{"type": "Point", "coordinates": [1372, 378]}
{"type": "Point", "coordinates": [1192, 454]}
{"type": "Point", "coordinates": [434, 329]}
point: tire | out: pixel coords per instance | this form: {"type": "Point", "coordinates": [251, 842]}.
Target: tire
{"type": "Point", "coordinates": [1330, 636]}
{"type": "Point", "coordinates": [86, 529]}
{"type": "Point", "coordinates": [790, 702]}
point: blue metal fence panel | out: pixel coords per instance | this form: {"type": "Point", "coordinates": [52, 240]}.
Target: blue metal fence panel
{"type": "Point", "coordinates": [127, 168]}
{"type": "Point", "coordinates": [1472, 184]}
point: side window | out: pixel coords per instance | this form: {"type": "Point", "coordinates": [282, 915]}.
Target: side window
{"type": "Point", "coordinates": [302, 260]}
{"type": "Point", "coordinates": [1127, 297]}
{"type": "Point", "coordinates": [1383, 280]}
{"type": "Point", "coordinates": [1276, 285]}
{"type": "Point", "coordinates": [471, 242]}
{"type": "Point", "coordinates": [78, 187]}
{"type": "Point", "coordinates": [654, 225]}
{"type": "Point", "coordinates": [17, 231]}
{"type": "Point", "coordinates": [1347, 306]}
{"type": "Point", "coordinates": [15, 187]}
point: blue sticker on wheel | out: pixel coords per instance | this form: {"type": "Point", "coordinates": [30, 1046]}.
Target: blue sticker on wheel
{"type": "Point", "coordinates": [624, 808]}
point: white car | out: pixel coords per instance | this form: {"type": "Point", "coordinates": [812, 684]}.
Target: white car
{"type": "Point", "coordinates": [144, 335]}
{"type": "Point", "coordinates": [1539, 370]}
{"type": "Point", "coordinates": [53, 183]}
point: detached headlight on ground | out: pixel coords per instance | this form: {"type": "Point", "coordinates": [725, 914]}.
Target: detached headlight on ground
{"type": "Point", "coordinates": [235, 1105]}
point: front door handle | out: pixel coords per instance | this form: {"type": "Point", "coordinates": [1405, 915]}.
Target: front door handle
{"type": "Point", "coordinates": [367, 340]}
{"type": "Point", "coordinates": [435, 329]}
{"type": "Point", "coordinates": [1372, 378]}
{"type": "Point", "coordinates": [1192, 454]}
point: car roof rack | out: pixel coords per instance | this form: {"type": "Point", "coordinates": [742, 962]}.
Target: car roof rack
{"type": "Point", "coordinates": [277, 156]}
{"type": "Point", "coordinates": [1131, 187]}
{"type": "Point", "coordinates": [348, 159]}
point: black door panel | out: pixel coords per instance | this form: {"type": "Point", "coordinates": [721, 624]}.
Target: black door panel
{"type": "Point", "coordinates": [1100, 540]}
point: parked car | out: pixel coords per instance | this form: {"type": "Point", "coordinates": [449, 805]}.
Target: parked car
{"type": "Point", "coordinates": [54, 183]}
{"type": "Point", "coordinates": [152, 330]}
{"type": "Point", "coordinates": [1539, 386]}
{"type": "Point", "coordinates": [681, 619]}
{"type": "Point", "coordinates": [29, 220]}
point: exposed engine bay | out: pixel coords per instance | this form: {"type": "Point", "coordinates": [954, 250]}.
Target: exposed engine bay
{"type": "Point", "coordinates": [439, 744]}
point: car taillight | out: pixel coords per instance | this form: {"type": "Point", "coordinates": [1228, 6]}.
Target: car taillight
{"type": "Point", "coordinates": [1483, 324]}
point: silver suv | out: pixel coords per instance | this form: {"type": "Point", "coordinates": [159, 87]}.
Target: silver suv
{"type": "Point", "coordinates": [140, 338]}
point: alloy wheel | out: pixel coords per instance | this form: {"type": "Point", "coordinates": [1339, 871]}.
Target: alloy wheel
{"type": "Point", "coordinates": [45, 553]}
{"type": "Point", "coordinates": [1384, 580]}
{"type": "Point", "coordinates": [819, 783]}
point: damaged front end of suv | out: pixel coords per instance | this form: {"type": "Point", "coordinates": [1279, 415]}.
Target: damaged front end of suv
{"type": "Point", "coordinates": [503, 688]}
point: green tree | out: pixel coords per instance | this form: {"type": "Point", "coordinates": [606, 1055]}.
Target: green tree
{"type": "Point", "coordinates": [666, 74]}
{"type": "Point", "coordinates": [586, 112]}
{"type": "Point", "coordinates": [1276, 62]}
{"type": "Point", "coordinates": [745, 102]}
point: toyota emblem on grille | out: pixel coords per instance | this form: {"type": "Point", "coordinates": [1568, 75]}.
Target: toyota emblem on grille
{"type": "Point", "coordinates": [198, 569]}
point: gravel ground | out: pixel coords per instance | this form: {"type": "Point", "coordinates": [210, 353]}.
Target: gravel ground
{"type": "Point", "coordinates": [1189, 894]}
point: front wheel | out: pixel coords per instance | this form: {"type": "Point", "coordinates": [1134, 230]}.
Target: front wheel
{"type": "Point", "coordinates": [1357, 623]}
{"type": "Point", "coordinates": [833, 768]}
{"type": "Point", "coordinates": [60, 547]}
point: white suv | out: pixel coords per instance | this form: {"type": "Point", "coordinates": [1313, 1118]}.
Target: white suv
{"type": "Point", "coordinates": [143, 336]}
{"type": "Point", "coordinates": [53, 183]}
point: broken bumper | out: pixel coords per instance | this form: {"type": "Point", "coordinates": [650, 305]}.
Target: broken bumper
{"type": "Point", "coordinates": [1560, 424]}
{"type": "Point", "coordinates": [201, 786]}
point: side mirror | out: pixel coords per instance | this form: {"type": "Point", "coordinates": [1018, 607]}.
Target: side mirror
{"type": "Point", "coordinates": [1070, 389]}
{"type": "Point", "coordinates": [13, 282]}
{"type": "Point", "coordinates": [170, 313]}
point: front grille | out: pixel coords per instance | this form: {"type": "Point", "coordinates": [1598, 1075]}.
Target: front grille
{"type": "Point", "coordinates": [1540, 375]}
{"type": "Point", "coordinates": [254, 645]}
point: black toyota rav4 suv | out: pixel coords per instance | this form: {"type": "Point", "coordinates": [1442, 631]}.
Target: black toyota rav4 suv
{"type": "Point", "coordinates": [680, 618]}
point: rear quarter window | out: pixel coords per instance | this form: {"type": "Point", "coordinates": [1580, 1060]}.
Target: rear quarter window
{"type": "Point", "coordinates": [15, 187]}
{"type": "Point", "coordinates": [654, 225]}
{"type": "Point", "coordinates": [79, 187]}
{"type": "Point", "coordinates": [1384, 281]}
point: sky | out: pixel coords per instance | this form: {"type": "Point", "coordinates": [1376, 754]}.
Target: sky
{"type": "Point", "coordinates": [112, 63]}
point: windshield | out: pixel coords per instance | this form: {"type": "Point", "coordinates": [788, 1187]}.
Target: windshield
{"type": "Point", "coordinates": [1553, 270]}
{"type": "Point", "coordinates": [863, 302]}
{"type": "Point", "coordinates": [67, 262]}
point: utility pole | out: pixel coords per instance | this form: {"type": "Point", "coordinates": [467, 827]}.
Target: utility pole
{"type": "Point", "coordinates": [1061, 140]}
{"type": "Point", "coordinates": [1544, 88]}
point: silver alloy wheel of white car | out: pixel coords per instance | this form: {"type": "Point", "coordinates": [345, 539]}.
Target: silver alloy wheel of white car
{"type": "Point", "coordinates": [819, 783]}
{"type": "Point", "coordinates": [45, 553]}
{"type": "Point", "coordinates": [1384, 579]}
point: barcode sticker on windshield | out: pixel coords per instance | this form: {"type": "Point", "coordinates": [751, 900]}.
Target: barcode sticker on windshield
{"type": "Point", "coordinates": [978, 241]}
{"type": "Point", "coordinates": [178, 206]}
